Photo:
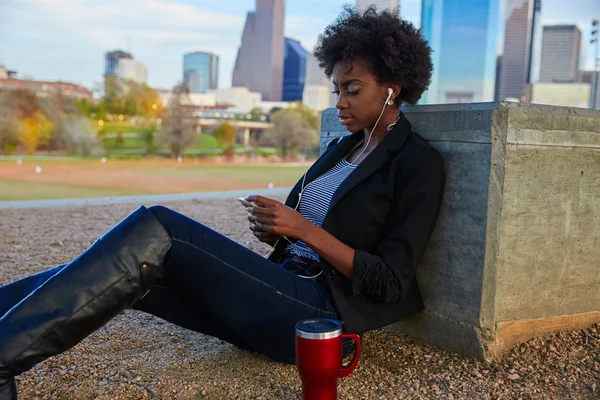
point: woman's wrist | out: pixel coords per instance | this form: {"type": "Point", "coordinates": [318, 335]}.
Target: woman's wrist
{"type": "Point", "coordinates": [304, 233]}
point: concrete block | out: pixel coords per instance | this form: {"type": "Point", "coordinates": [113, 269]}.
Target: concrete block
{"type": "Point", "coordinates": [516, 251]}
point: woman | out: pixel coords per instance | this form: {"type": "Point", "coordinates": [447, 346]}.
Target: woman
{"type": "Point", "coordinates": [346, 243]}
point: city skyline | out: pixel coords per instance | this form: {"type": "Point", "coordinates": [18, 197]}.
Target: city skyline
{"type": "Point", "coordinates": [72, 41]}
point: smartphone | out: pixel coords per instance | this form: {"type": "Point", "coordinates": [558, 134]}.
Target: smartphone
{"type": "Point", "coordinates": [247, 203]}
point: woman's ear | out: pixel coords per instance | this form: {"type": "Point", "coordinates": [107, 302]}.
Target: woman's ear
{"type": "Point", "coordinates": [397, 89]}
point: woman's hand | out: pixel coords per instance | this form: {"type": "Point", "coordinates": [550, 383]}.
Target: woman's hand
{"type": "Point", "coordinates": [263, 236]}
{"type": "Point", "coordinates": [273, 219]}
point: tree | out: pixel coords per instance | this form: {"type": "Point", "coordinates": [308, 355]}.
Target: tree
{"type": "Point", "coordinates": [226, 135]}
{"type": "Point", "coordinates": [128, 97]}
{"type": "Point", "coordinates": [113, 98]}
{"type": "Point", "coordinates": [19, 103]}
{"type": "Point", "coordinates": [11, 111]}
{"type": "Point", "coordinates": [35, 130]}
{"type": "Point", "coordinates": [310, 117]}
{"type": "Point", "coordinates": [9, 134]}
{"type": "Point", "coordinates": [79, 137]}
{"type": "Point", "coordinates": [256, 113]}
{"type": "Point", "coordinates": [177, 129]}
{"type": "Point", "coordinates": [290, 132]}
{"type": "Point", "coordinates": [140, 99]}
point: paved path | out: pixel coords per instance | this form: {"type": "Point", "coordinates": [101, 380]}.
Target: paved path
{"type": "Point", "coordinates": [144, 199]}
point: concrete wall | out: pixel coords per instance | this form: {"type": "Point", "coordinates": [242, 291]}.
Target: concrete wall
{"type": "Point", "coordinates": [518, 236]}
{"type": "Point", "coordinates": [550, 226]}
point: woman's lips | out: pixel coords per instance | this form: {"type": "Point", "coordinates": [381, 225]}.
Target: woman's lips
{"type": "Point", "coordinates": [345, 120]}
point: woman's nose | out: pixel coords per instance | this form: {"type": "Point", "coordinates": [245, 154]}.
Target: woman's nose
{"type": "Point", "coordinates": [341, 102]}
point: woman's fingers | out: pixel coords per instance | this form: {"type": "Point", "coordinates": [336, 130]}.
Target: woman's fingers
{"type": "Point", "coordinates": [263, 210]}
{"type": "Point", "coordinates": [265, 201]}
{"type": "Point", "coordinates": [257, 226]}
{"type": "Point", "coordinates": [264, 235]}
{"type": "Point", "coordinates": [263, 219]}
{"type": "Point", "coordinates": [262, 227]}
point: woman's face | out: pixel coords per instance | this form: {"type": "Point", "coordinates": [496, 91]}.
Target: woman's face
{"type": "Point", "coordinates": [360, 96]}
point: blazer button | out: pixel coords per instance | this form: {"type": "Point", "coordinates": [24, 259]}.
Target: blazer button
{"type": "Point", "coordinates": [331, 273]}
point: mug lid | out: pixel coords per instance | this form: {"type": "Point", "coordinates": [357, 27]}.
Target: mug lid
{"type": "Point", "coordinates": [318, 328]}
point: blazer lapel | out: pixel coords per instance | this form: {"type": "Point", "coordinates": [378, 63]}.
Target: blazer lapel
{"type": "Point", "coordinates": [380, 155]}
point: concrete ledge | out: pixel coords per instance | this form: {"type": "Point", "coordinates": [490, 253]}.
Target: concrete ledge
{"type": "Point", "coordinates": [143, 199]}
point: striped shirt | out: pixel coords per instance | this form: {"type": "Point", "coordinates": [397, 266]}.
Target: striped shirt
{"type": "Point", "coordinates": [315, 200]}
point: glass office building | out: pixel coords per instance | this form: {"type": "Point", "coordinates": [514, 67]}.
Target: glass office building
{"type": "Point", "coordinates": [200, 71]}
{"type": "Point", "coordinates": [294, 70]}
{"type": "Point", "coordinates": [463, 39]}
{"type": "Point", "coordinates": [111, 61]}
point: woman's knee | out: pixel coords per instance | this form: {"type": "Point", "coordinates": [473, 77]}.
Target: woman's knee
{"type": "Point", "coordinates": [160, 211]}
{"type": "Point", "coordinates": [162, 214]}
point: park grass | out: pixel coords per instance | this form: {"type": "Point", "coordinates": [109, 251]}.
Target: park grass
{"type": "Point", "coordinates": [135, 142]}
{"type": "Point", "coordinates": [79, 178]}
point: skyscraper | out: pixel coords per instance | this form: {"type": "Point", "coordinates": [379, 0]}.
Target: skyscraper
{"type": "Point", "coordinates": [560, 53]}
{"type": "Point", "coordinates": [522, 18]}
{"type": "Point", "coordinates": [200, 71]}
{"type": "Point", "coordinates": [111, 61]}
{"type": "Point", "coordinates": [315, 75]}
{"type": "Point", "coordinates": [131, 70]}
{"type": "Point", "coordinates": [463, 40]}
{"type": "Point", "coordinates": [380, 4]}
{"type": "Point", "coordinates": [294, 70]}
{"type": "Point", "coordinates": [318, 89]}
{"type": "Point", "coordinates": [259, 63]}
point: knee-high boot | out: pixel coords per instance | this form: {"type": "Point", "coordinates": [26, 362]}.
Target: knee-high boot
{"type": "Point", "coordinates": [107, 278]}
{"type": "Point", "coordinates": [12, 293]}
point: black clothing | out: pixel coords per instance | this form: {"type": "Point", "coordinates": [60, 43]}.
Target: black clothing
{"type": "Point", "coordinates": [386, 210]}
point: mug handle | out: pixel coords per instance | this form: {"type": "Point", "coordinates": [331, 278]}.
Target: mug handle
{"type": "Point", "coordinates": [347, 370]}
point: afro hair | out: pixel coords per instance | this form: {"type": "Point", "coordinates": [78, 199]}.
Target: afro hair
{"type": "Point", "coordinates": [394, 50]}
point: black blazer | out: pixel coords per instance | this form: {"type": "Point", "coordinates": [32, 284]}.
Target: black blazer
{"type": "Point", "coordinates": [386, 210]}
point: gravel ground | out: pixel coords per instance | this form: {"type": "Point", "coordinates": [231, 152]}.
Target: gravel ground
{"type": "Point", "coordinates": [139, 356]}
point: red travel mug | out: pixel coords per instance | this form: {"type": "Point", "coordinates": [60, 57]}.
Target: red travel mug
{"type": "Point", "coordinates": [319, 357]}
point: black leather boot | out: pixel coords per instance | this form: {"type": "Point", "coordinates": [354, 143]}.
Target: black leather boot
{"type": "Point", "coordinates": [107, 278]}
{"type": "Point", "coordinates": [14, 292]}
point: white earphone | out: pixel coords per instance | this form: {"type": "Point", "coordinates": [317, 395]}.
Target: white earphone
{"type": "Point", "coordinates": [387, 102]}
{"type": "Point", "coordinates": [390, 93]}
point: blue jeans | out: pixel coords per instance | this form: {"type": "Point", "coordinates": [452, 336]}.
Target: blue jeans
{"type": "Point", "coordinates": [220, 288]}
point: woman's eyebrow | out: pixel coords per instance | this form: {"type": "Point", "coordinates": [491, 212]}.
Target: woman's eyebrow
{"type": "Point", "coordinates": [349, 81]}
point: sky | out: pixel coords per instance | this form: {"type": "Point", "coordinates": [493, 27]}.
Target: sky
{"type": "Point", "coordinates": [66, 39]}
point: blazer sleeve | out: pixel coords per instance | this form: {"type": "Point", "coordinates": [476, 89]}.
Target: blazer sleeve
{"type": "Point", "coordinates": [384, 275]}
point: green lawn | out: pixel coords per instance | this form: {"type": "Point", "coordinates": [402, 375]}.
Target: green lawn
{"type": "Point", "coordinates": [135, 141]}
{"type": "Point", "coordinates": [36, 191]}
{"type": "Point", "coordinates": [121, 127]}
